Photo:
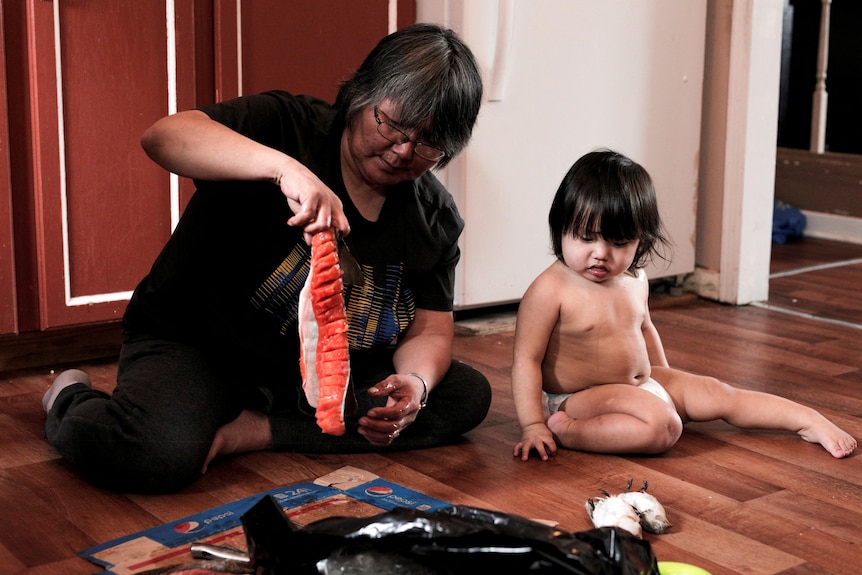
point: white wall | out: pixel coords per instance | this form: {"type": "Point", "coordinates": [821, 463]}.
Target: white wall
{"type": "Point", "coordinates": [732, 165]}
{"type": "Point", "coordinates": [564, 77]}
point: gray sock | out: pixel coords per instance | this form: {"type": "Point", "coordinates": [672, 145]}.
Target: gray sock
{"type": "Point", "coordinates": [64, 380]}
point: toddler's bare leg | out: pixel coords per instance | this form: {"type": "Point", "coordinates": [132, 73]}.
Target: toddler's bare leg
{"type": "Point", "coordinates": [700, 398]}
{"type": "Point", "coordinates": [757, 410]}
{"type": "Point", "coordinates": [616, 418]}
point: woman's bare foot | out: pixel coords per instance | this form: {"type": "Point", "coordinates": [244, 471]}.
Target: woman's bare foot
{"type": "Point", "coordinates": [250, 431]}
{"type": "Point", "coordinates": [834, 439]}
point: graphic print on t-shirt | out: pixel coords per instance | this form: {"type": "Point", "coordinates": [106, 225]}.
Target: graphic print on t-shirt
{"type": "Point", "coordinates": [378, 311]}
{"type": "Point", "coordinates": [279, 294]}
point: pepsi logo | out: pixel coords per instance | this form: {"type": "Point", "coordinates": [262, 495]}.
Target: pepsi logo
{"type": "Point", "coordinates": [188, 527]}
{"type": "Point", "coordinates": [379, 491]}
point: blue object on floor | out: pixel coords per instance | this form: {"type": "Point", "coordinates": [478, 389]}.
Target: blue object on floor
{"type": "Point", "coordinates": [788, 223]}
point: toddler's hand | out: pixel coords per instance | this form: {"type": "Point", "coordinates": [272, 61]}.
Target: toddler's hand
{"type": "Point", "coordinates": [536, 437]}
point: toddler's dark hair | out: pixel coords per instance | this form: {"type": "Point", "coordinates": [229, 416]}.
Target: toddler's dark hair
{"type": "Point", "coordinates": [606, 192]}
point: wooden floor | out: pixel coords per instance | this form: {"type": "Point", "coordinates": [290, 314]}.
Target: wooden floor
{"type": "Point", "coordinates": [740, 502]}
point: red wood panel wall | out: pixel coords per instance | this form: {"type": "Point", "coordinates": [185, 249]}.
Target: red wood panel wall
{"type": "Point", "coordinates": [102, 207]}
{"type": "Point", "coordinates": [8, 296]}
{"type": "Point", "coordinates": [301, 47]}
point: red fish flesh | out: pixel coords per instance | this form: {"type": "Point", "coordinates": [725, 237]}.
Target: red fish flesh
{"type": "Point", "coordinates": [324, 360]}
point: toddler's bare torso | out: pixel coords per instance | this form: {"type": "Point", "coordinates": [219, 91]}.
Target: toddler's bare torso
{"type": "Point", "coordinates": [598, 338]}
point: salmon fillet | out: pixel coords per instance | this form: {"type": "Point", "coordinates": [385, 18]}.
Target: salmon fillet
{"type": "Point", "coordinates": [324, 359]}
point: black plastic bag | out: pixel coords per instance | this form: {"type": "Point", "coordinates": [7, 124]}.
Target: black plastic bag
{"type": "Point", "coordinates": [455, 540]}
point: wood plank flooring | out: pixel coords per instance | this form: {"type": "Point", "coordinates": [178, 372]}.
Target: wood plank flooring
{"type": "Point", "coordinates": [740, 502]}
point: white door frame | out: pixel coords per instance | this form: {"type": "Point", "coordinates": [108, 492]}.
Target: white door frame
{"type": "Point", "coordinates": [738, 150]}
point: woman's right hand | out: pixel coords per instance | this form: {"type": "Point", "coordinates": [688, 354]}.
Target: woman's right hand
{"type": "Point", "coordinates": [315, 207]}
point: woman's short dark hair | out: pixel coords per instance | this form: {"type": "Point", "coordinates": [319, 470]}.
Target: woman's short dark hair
{"type": "Point", "coordinates": [606, 192]}
{"type": "Point", "coordinates": [430, 76]}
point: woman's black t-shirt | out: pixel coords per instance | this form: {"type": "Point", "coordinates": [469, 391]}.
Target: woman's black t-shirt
{"type": "Point", "coordinates": [230, 275]}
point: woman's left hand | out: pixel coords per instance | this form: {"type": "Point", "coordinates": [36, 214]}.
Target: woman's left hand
{"type": "Point", "coordinates": [382, 425]}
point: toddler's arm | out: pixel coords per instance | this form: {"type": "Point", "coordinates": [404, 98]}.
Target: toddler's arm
{"type": "Point", "coordinates": [655, 348]}
{"type": "Point", "coordinates": [537, 316]}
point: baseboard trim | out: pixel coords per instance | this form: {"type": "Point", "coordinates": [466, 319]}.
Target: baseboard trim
{"type": "Point", "coordinates": [57, 348]}
{"type": "Point", "coordinates": [833, 227]}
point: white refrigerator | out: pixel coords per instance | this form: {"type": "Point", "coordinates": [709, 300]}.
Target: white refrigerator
{"type": "Point", "coordinates": [563, 77]}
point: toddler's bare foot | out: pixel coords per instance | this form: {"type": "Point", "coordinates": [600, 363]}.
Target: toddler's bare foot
{"type": "Point", "coordinates": [834, 439]}
{"type": "Point", "coordinates": [250, 431]}
{"type": "Point", "coordinates": [559, 424]}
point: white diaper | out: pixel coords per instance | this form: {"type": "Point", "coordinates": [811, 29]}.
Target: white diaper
{"type": "Point", "coordinates": [554, 400]}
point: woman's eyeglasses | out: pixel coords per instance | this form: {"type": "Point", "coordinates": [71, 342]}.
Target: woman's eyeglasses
{"type": "Point", "coordinates": [396, 136]}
